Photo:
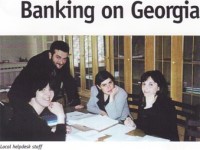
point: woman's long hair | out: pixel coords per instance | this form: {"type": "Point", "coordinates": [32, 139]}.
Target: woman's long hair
{"type": "Point", "coordinates": [157, 77]}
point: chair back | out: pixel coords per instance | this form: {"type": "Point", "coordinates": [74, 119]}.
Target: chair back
{"type": "Point", "coordinates": [192, 130]}
{"type": "Point", "coordinates": [133, 102]}
{"type": "Point", "coordinates": [184, 112]}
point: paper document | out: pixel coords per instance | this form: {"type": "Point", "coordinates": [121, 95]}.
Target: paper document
{"type": "Point", "coordinates": [77, 116]}
{"type": "Point", "coordinates": [91, 135]}
{"type": "Point", "coordinates": [117, 130]}
{"type": "Point", "coordinates": [96, 122]}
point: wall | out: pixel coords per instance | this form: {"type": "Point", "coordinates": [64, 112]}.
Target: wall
{"type": "Point", "coordinates": [14, 47]}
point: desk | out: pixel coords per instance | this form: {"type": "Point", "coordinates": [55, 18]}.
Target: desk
{"type": "Point", "coordinates": [87, 133]}
{"type": "Point", "coordinates": [136, 132]}
{"type": "Point", "coordinates": [113, 133]}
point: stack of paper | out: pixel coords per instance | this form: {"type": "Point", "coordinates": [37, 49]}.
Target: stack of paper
{"type": "Point", "coordinates": [96, 122]}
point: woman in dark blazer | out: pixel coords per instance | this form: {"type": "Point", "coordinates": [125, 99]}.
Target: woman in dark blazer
{"type": "Point", "coordinates": [156, 114]}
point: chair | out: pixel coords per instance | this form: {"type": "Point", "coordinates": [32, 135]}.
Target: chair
{"type": "Point", "coordinates": [184, 112]}
{"type": "Point", "coordinates": [192, 130]}
{"type": "Point", "coordinates": [133, 103]}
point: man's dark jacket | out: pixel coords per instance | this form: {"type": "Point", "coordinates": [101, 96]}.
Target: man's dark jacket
{"type": "Point", "coordinates": [39, 68]}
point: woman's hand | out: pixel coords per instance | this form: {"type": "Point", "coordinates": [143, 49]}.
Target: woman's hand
{"type": "Point", "coordinates": [129, 122]}
{"type": "Point", "coordinates": [113, 93]}
{"type": "Point", "coordinates": [57, 109]}
{"type": "Point", "coordinates": [68, 129]}
{"type": "Point", "coordinates": [103, 113]}
{"type": "Point", "coordinates": [79, 107]}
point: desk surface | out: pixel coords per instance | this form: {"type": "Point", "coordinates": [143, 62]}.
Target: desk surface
{"type": "Point", "coordinates": [136, 132]}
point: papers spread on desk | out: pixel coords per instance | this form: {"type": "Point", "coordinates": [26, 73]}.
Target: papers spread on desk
{"type": "Point", "coordinates": [117, 130]}
{"type": "Point", "coordinates": [76, 116]}
{"type": "Point", "coordinates": [91, 135]}
{"type": "Point", "coordinates": [146, 138]}
{"type": "Point", "coordinates": [96, 122]}
{"type": "Point", "coordinates": [52, 119]}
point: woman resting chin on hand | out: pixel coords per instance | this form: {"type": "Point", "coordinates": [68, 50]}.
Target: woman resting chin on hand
{"type": "Point", "coordinates": [109, 99]}
{"type": "Point", "coordinates": [27, 125]}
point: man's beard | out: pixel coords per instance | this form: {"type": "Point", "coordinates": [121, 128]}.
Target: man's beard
{"type": "Point", "coordinates": [54, 65]}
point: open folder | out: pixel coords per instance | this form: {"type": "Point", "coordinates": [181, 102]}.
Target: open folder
{"type": "Point", "coordinates": [96, 122]}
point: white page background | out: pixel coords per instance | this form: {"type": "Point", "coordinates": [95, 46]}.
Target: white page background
{"type": "Point", "coordinates": [12, 24]}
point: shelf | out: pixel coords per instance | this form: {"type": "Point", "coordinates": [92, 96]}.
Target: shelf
{"type": "Point", "coordinates": [192, 93]}
{"type": "Point", "coordinates": [192, 62]}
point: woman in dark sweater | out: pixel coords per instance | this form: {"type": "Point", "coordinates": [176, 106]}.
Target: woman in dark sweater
{"type": "Point", "coordinates": [156, 114]}
{"type": "Point", "coordinates": [27, 125]}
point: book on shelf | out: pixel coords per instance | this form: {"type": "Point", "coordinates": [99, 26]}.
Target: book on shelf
{"type": "Point", "coordinates": [191, 90]}
{"type": "Point", "coordinates": [138, 56]}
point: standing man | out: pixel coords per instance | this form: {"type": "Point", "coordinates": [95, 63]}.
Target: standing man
{"type": "Point", "coordinates": [52, 64]}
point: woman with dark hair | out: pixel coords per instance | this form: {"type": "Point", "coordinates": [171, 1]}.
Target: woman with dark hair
{"type": "Point", "coordinates": [109, 99]}
{"type": "Point", "coordinates": [156, 114]}
{"type": "Point", "coordinates": [27, 125]}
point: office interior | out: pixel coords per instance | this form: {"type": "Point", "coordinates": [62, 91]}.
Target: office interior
{"type": "Point", "coordinates": [126, 57]}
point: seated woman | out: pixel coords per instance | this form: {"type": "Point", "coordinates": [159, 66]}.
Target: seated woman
{"type": "Point", "coordinates": [109, 99]}
{"type": "Point", "coordinates": [27, 125]}
{"type": "Point", "coordinates": [156, 114]}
